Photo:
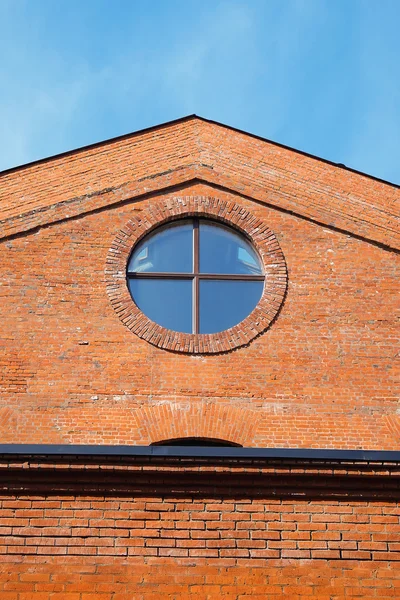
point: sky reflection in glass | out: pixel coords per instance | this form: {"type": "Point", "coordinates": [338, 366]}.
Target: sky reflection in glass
{"type": "Point", "coordinates": [167, 251]}
{"type": "Point", "coordinates": [224, 251]}
{"type": "Point", "coordinates": [167, 302]}
{"type": "Point", "coordinates": [223, 304]}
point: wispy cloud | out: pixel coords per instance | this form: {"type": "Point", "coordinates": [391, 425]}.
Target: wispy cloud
{"type": "Point", "coordinates": [313, 74]}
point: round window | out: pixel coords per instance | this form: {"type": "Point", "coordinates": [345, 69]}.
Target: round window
{"type": "Point", "coordinates": [195, 276]}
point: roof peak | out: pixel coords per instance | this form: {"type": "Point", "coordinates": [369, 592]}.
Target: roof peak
{"type": "Point", "coordinates": [178, 120]}
{"type": "Point", "coordinates": [195, 148]}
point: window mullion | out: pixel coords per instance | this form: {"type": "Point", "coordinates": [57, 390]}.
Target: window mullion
{"type": "Point", "coordinates": [231, 277]}
{"type": "Point", "coordinates": [196, 277]}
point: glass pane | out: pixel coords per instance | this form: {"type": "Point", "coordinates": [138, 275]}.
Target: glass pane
{"type": "Point", "coordinates": [222, 250]}
{"type": "Point", "coordinates": [224, 304]}
{"type": "Point", "coordinates": [166, 250]}
{"type": "Point", "coordinates": [168, 302]}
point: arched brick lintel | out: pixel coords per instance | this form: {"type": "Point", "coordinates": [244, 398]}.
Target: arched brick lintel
{"type": "Point", "coordinates": [231, 213]}
{"type": "Point", "coordinates": [199, 419]}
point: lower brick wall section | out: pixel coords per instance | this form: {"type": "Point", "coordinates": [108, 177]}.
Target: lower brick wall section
{"type": "Point", "coordinates": [156, 531]}
{"type": "Point", "coordinates": [245, 532]}
{"type": "Point", "coordinates": [147, 548]}
{"type": "Point", "coordinates": [72, 578]}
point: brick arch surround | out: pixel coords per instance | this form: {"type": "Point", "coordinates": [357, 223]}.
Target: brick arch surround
{"type": "Point", "coordinates": [229, 213]}
{"type": "Point", "coordinates": [204, 420]}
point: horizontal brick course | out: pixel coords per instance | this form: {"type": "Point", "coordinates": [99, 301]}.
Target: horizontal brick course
{"type": "Point", "coordinates": [215, 523]}
{"type": "Point", "coordinates": [116, 578]}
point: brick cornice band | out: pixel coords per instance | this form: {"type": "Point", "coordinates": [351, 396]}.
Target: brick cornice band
{"type": "Point", "coordinates": [229, 213]}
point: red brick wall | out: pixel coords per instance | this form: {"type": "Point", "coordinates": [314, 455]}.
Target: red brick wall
{"type": "Point", "coordinates": [323, 375]}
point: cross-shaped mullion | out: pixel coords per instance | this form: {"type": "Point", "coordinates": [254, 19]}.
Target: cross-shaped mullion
{"type": "Point", "coordinates": [195, 276]}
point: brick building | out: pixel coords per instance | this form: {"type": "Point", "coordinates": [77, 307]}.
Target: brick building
{"type": "Point", "coordinates": [143, 461]}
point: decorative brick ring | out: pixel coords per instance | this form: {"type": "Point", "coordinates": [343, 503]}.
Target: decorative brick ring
{"type": "Point", "coordinates": [229, 213]}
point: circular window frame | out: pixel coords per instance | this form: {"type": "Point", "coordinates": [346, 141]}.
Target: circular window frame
{"type": "Point", "coordinates": [233, 215]}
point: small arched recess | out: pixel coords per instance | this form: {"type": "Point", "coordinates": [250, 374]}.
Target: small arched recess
{"type": "Point", "coordinates": [197, 441]}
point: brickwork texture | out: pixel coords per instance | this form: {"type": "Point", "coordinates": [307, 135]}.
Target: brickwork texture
{"type": "Point", "coordinates": [321, 372]}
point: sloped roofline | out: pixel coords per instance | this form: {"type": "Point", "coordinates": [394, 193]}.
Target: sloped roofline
{"type": "Point", "coordinates": [182, 120]}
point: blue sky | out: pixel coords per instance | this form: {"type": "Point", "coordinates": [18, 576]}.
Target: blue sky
{"type": "Point", "coordinates": [322, 76]}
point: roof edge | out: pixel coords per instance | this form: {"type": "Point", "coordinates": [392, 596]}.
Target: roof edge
{"type": "Point", "coordinates": [117, 138]}
{"type": "Point", "coordinates": [197, 452]}
{"type": "Point", "coordinates": [302, 152]}
{"type": "Point", "coordinates": [182, 120]}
